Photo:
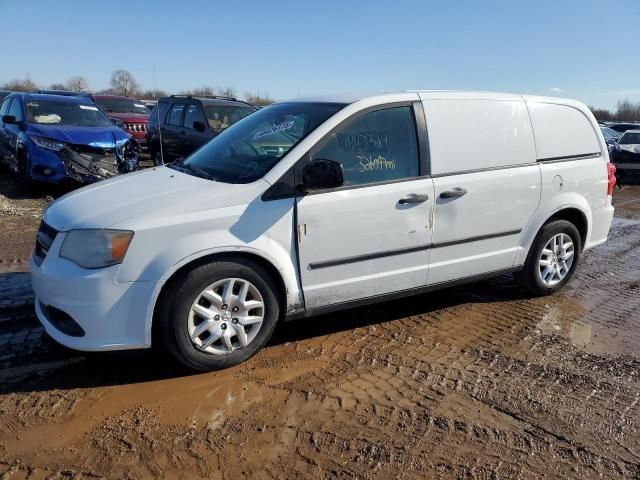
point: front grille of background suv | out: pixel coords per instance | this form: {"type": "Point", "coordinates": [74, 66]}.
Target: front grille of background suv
{"type": "Point", "coordinates": [136, 127]}
{"type": "Point", "coordinates": [44, 239]}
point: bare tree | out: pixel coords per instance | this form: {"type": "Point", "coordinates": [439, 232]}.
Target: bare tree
{"type": "Point", "coordinates": [227, 92]}
{"type": "Point", "coordinates": [57, 86]}
{"type": "Point", "coordinates": [19, 85]}
{"type": "Point", "coordinates": [204, 91]}
{"type": "Point", "coordinates": [152, 94]}
{"type": "Point", "coordinates": [602, 114]}
{"type": "Point", "coordinates": [123, 83]}
{"type": "Point", "coordinates": [627, 111]}
{"type": "Point", "coordinates": [258, 99]}
{"type": "Point", "coordinates": [77, 84]}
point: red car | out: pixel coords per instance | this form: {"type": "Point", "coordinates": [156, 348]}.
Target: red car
{"type": "Point", "coordinates": [129, 113]}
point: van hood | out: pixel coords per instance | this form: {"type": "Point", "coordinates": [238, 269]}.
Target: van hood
{"type": "Point", "coordinates": [125, 197]}
{"type": "Point", "coordinates": [105, 137]}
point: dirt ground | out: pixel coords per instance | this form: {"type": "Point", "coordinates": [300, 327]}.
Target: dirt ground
{"type": "Point", "coordinates": [474, 382]}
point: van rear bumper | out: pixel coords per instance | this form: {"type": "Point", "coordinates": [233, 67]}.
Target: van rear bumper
{"type": "Point", "coordinates": [600, 225]}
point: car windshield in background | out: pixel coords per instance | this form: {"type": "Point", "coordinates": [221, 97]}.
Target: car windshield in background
{"type": "Point", "coordinates": [118, 105]}
{"type": "Point", "coordinates": [51, 112]}
{"type": "Point", "coordinates": [249, 149]}
{"type": "Point", "coordinates": [222, 116]}
{"type": "Point", "coordinates": [609, 133]}
{"type": "Point", "coordinates": [630, 139]}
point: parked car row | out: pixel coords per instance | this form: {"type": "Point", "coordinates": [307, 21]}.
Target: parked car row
{"type": "Point", "coordinates": [176, 127]}
{"type": "Point", "coordinates": [625, 155]}
{"type": "Point", "coordinates": [623, 140]}
{"type": "Point", "coordinates": [51, 137]}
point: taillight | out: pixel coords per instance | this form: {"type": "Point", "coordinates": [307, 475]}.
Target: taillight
{"type": "Point", "coordinates": [611, 172]}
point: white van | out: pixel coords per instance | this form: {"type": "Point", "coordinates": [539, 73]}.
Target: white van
{"type": "Point", "coordinates": [315, 205]}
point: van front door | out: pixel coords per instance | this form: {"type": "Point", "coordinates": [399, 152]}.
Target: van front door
{"type": "Point", "coordinates": [369, 237]}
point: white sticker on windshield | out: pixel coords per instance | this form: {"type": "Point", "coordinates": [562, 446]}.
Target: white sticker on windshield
{"type": "Point", "coordinates": [275, 129]}
{"type": "Point", "coordinates": [88, 107]}
{"type": "Point", "coordinates": [51, 118]}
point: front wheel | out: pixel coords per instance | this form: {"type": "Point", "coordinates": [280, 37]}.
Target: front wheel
{"type": "Point", "coordinates": [219, 315]}
{"type": "Point", "coordinates": [552, 260]}
{"type": "Point", "coordinates": [24, 175]}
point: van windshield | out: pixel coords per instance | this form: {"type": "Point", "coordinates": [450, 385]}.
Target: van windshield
{"type": "Point", "coordinates": [247, 150]}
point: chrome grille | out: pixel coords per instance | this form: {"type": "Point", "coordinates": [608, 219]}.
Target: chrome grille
{"type": "Point", "coordinates": [44, 239]}
{"type": "Point", "coordinates": [136, 127]}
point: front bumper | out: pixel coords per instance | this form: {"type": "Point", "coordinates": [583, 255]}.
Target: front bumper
{"type": "Point", "coordinates": [41, 160]}
{"type": "Point", "coordinates": [111, 314]}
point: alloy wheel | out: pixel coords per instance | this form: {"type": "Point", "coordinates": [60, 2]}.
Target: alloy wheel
{"type": "Point", "coordinates": [226, 316]}
{"type": "Point", "coordinates": [556, 259]}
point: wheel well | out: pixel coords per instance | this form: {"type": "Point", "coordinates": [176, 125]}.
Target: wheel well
{"type": "Point", "coordinates": [175, 277]}
{"type": "Point", "coordinates": [576, 217]}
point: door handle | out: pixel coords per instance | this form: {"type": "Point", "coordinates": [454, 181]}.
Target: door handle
{"type": "Point", "coordinates": [454, 193]}
{"type": "Point", "coordinates": [413, 198]}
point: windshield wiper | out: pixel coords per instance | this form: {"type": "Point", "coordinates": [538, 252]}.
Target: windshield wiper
{"type": "Point", "coordinates": [198, 172]}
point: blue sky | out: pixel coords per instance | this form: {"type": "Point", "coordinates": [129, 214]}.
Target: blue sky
{"type": "Point", "coordinates": [585, 49]}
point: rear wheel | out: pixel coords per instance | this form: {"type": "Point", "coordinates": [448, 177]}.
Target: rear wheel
{"type": "Point", "coordinates": [552, 260]}
{"type": "Point", "coordinates": [220, 315]}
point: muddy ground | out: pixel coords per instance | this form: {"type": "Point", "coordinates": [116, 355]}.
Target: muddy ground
{"type": "Point", "coordinates": [476, 381]}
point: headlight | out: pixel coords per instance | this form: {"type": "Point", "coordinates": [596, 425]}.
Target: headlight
{"type": "Point", "coordinates": [47, 143]}
{"type": "Point", "coordinates": [96, 248]}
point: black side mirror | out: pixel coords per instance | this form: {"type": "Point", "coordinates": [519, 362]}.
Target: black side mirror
{"type": "Point", "coordinates": [9, 119]}
{"type": "Point", "coordinates": [199, 126]}
{"type": "Point", "coordinates": [322, 174]}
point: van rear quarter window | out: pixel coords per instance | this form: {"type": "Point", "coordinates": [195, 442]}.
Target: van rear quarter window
{"type": "Point", "coordinates": [561, 131]}
{"type": "Point", "coordinates": [477, 134]}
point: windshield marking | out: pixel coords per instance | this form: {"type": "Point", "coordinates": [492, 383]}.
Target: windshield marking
{"type": "Point", "coordinates": [275, 129]}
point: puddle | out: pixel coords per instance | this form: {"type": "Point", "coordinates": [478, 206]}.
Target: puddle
{"type": "Point", "coordinates": [589, 332]}
{"type": "Point", "coordinates": [196, 401]}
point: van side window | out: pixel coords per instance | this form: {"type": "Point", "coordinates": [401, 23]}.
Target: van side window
{"type": "Point", "coordinates": [175, 116]}
{"type": "Point", "coordinates": [467, 135]}
{"type": "Point", "coordinates": [378, 146]}
{"type": "Point", "coordinates": [562, 131]}
{"type": "Point", "coordinates": [193, 114]}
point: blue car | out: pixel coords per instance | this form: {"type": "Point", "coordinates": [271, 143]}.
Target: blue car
{"type": "Point", "coordinates": [50, 138]}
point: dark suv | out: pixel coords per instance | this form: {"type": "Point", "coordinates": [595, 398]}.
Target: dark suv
{"type": "Point", "coordinates": [188, 122]}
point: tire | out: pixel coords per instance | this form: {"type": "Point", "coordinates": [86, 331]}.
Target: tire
{"type": "Point", "coordinates": [531, 276]}
{"type": "Point", "coordinates": [177, 320]}
{"type": "Point", "coordinates": [156, 158]}
{"type": "Point", "coordinates": [23, 169]}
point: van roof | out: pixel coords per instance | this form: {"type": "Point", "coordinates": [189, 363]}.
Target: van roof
{"type": "Point", "coordinates": [437, 94]}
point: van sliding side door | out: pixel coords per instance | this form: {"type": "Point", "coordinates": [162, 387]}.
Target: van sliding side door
{"type": "Point", "coordinates": [486, 182]}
